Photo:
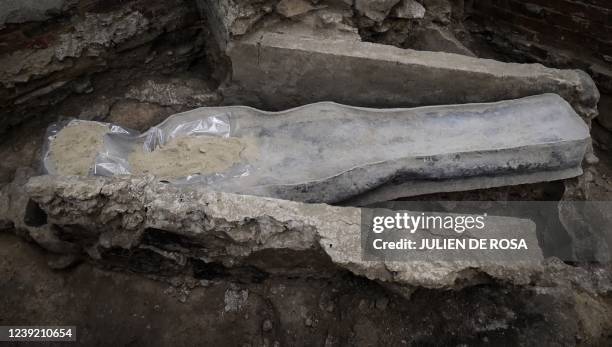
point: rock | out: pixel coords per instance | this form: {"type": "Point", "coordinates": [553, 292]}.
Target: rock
{"type": "Point", "coordinates": [63, 262]}
{"type": "Point", "coordinates": [436, 39]}
{"type": "Point", "coordinates": [137, 115]}
{"type": "Point", "coordinates": [292, 8]}
{"type": "Point", "coordinates": [17, 210]}
{"type": "Point", "coordinates": [21, 11]}
{"type": "Point", "coordinates": [440, 11]}
{"type": "Point", "coordinates": [590, 157]}
{"type": "Point", "coordinates": [98, 110]}
{"type": "Point", "coordinates": [83, 86]}
{"type": "Point", "coordinates": [41, 70]}
{"type": "Point", "coordinates": [408, 9]}
{"type": "Point", "coordinates": [174, 92]}
{"type": "Point", "coordinates": [601, 136]}
{"type": "Point", "coordinates": [294, 70]}
{"type": "Point", "coordinates": [100, 30]}
{"type": "Point", "coordinates": [231, 18]}
{"type": "Point", "coordinates": [90, 35]}
{"type": "Point", "coordinates": [589, 225]}
{"type": "Point", "coordinates": [214, 224]}
{"type": "Point", "coordinates": [40, 92]}
{"type": "Point", "coordinates": [375, 9]}
{"type": "Point", "coordinates": [605, 112]}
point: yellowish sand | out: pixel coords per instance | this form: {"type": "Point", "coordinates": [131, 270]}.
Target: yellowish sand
{"type": "Point", "coordinates": [74, 149]}
{"type": "Point", "coordinates": [190, 155]}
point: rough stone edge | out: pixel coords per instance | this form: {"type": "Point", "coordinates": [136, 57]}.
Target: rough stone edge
{"type": "Point", "coordinates": [118, 210]}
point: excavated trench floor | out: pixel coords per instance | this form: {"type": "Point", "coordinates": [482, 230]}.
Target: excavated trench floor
{"type": "Point", "coordinates": [133, 305]}
{"type": "Point", "coordinates": [219, 308]}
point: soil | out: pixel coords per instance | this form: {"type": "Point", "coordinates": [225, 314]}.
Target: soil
{"type": "Point", "coordinates": [190, 155]}
{"type": "Point", "coordinates": [217, 307]}
{"type": "Point", "coordinates": [74, 149]}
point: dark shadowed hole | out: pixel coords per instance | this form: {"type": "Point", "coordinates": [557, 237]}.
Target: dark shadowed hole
{"type": "Point", "coordinates": [34, 215]}
{"type": "Point", "coordinates": [208, 271]}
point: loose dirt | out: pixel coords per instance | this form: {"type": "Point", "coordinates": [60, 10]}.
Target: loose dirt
{"type": "Point", "coordinates": [192, 155]}
{"type": "Point", "coordinates": [74, 149]}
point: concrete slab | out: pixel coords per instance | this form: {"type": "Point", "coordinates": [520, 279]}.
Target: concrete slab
{"type": "Point", "coordinates": [231, 229]}
{"type": "Point", "coordinates": [276, 69]}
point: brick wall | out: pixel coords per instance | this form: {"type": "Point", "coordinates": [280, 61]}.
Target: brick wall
{"type": "Point", "coordinates": [565, 33]}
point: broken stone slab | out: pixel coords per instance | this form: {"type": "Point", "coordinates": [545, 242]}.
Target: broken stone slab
{"type": "Point", "coordinates": [326, 152]}
{"type": "Point", "coordinates": [18, 213]}
{"type": "Point", "coordinates": [276, 70]}
{"type": "Point", "coordinates": [103, 214]}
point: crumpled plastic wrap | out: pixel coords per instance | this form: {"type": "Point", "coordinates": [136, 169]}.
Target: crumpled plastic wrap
{"type": "Point", "coordinates": [55, 128]}
{"type": "Point", "coordinates": [112, 159]}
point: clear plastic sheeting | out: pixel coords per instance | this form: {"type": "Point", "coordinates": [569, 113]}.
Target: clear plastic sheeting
{"type": "Point", "coordinates": [118, 143]}
{"type": "Point", "coordinates": [49, 166]}
{"type": "Point", "coordinates": [218, 125]}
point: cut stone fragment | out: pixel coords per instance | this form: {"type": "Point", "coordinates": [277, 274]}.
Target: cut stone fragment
{"type": "Point", "coordinates": [103, 214]}
{"type": "Point", "coordinates": [277, 70]}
